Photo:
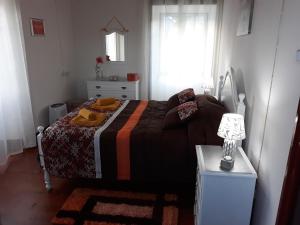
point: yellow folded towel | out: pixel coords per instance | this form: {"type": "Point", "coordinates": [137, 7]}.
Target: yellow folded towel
{"type": "Point", "coordinates": [87, 114]}
{"type": "Point", "coordinates": [83, 122]}
{"type": "Point", "coordinates": [105, 101]}
{"type": "Point", "coordinates": [111, 107]}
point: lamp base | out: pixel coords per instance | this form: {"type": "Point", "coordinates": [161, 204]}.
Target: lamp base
{"type": "Point", "coordinates": [226, 164]}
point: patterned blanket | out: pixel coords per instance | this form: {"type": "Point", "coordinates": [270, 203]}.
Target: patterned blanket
{"type": "Point", "coordinates": [69, 149]}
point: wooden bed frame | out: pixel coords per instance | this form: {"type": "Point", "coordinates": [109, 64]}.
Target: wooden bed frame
{"type": "Point", "coordinates": [227, 93]}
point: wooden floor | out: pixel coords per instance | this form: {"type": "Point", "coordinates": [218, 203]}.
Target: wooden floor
{"type": "Point", "coordinates": [24, 200]}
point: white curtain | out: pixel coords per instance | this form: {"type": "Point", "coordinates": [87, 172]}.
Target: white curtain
{"type": "Point", "coordinates": [16, 119]}
{"type": "Point", "coordinates": [183, 44]}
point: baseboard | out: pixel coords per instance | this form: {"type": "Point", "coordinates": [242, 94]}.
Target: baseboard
{"type": "Point", "coordinates": [4, 167]}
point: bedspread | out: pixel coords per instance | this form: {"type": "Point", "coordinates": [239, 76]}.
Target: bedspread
{"type": "Point", "coordinates": [133, 146]}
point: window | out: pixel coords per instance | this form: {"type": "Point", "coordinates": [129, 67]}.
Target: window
{"type": "Point", "coordinates": [182, 48]}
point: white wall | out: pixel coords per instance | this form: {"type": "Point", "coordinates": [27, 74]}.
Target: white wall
{"type": "Point", "coordinates": [88, 18]}
{"type": "Point", "coordinates": [269, 130]}
{"type": "Point", "coordinates": [47, 57]}
{"type": "Point", "coordinates": [280, 124]}
{"type": "Point", "coordinates": [252, 57]}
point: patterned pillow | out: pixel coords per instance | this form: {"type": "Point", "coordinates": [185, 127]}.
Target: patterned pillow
{"type": "Point", "coordinates": [177, 116]}
{"type": "Point", "coordinates": [181, 97]}
{"type": "Point", "coordinates": [186, 110]}
{"type": "Point", "coordinates": [186, 95]}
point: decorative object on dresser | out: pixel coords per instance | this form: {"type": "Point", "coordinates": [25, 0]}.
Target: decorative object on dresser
{"type": "Point", "coordinates": [113, 78]}
{"type": "Point", "coordinates": [133, 76]}
{"type": "Point", "coordinates": [223, 197]}
{"type": "Point", "coordinates": [232, 129]}
{"type": "Point", "coordinates": [99, 69]}
{"type": "Point", "coordinates": [116, 89]}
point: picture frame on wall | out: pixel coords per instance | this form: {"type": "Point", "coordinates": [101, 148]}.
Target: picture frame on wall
{"type": "Point", "coordinates": [37, 27]}
{"type": "Point", "coordinates": [246, 14]}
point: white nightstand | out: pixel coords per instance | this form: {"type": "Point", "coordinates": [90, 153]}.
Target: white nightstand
{"type": "Point", "coordinates": [116, 89]}
{"type": "Point", "coordinates": [222, 197]}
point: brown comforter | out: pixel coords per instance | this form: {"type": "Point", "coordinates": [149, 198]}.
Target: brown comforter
{"type": "Point", "coordinates": [154, 154]}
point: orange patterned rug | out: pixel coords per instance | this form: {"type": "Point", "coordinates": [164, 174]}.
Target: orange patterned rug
{"type": "Point", "coordinates": [107, 207]}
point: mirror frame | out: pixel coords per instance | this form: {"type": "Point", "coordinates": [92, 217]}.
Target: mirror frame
{"type": "Point", "coordinates": [125, 43]}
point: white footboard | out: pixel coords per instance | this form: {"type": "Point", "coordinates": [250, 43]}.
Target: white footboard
{"type": "Point", "coordinates": [42, 161]}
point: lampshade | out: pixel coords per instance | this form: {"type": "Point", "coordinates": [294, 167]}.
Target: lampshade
{"type": "Point", "coordinates": [232, 127]}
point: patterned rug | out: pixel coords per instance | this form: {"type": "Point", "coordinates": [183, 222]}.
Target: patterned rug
{"type": "Point", "coordinates": [107, 207]}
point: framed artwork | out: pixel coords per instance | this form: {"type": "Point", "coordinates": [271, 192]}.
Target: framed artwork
{"type": "Point", "coordinates": [37, 27]}
{"type": "Point", "coordinates": [246, 14]}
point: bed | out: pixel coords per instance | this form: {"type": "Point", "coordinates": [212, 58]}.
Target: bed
{"type": "Point", "coordinates": [132, 145]}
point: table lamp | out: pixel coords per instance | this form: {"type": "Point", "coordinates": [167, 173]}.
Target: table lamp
{"type": "Point", "coordinates": [232, 129]}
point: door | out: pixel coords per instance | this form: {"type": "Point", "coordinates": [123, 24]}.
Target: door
{"type": "Point", "coordinates": [289, 207]}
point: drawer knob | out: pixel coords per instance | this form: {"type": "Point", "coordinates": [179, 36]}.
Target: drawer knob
{"type": "Point", "coordinates": [124, 96]}
{"type": "Point", "coordinates": [98, 87]}
{"type": "Point", "coordinates": [98, 95]}
{"type": "Point", "coordinates": [124, 88]}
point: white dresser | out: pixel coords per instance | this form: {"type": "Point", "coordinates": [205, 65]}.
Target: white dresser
{"type": "Point", "coordinates": [223, 198]}
{"type": "Point", "coordinates": [116, 89]}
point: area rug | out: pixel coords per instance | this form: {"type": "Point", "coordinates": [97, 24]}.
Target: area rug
{"type": "Point", "coordinates": [108, 207]}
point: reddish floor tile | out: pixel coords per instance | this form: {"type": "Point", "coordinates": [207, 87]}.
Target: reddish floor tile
{"type": "Point", "coordinates": [25, 201]}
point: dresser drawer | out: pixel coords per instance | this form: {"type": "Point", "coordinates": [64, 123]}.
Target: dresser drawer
{"type": "Point", "coordinates": [111, 86]}
{"type": "Point", "coordinates": [117, 89]}
{"type": "Point", "coordinates": [105, 94]}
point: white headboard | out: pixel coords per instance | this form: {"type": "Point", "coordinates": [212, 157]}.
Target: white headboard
{"type": "Point", "coordinates": [228, 95]}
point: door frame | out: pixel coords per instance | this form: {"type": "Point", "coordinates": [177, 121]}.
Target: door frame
{"type": "Point", "coordinates": [292, 179]}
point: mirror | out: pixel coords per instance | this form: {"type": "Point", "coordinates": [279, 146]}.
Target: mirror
{"type": "Point", "coordinates": [115, 46]}
{"type": "Point", "coordinates": [115, 40]}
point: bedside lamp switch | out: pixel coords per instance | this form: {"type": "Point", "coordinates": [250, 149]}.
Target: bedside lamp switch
{"type": "Point", "coordinates": [298, 55]}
